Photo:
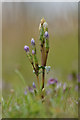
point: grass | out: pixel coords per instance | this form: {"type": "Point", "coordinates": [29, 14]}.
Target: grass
{"type": "Point", "coordinates": [58, 103]}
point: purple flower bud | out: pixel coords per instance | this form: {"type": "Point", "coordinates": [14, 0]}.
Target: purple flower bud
{"type": "Point", "coordinates": [26, 48]}
{"type": "Point", "coordinates": [32, 42]}
{"type": "Point", "coordinates": [30, 89]}
{"type": "Point", "coordinates": [58, 85]}
{"type": "Point", "coordinates": [25, 92]}
{"type": "Point", "coordinates": [64, 87]}
{"type": "Point", "coordinates": [52, 81]}
{"type": "Point", "coordinates": [33, 52]}
{"type": "Point", "coordinates": [34, 86]}
{"type": "Point", "coordinates": [46, 34]}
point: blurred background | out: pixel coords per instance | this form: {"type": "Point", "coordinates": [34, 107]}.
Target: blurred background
{"type": "Point", "coordinates": [20, 23]}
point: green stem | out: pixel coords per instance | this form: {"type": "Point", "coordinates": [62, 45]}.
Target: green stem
{"type": "Point", "coordinates": [43, 60]}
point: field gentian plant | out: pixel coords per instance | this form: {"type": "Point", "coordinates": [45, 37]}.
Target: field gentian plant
{"type": "Point", "coordinates": [44, 48]}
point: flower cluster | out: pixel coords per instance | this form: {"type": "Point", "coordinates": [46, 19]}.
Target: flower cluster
{"type": "Point", "coordinates": [44, 38]}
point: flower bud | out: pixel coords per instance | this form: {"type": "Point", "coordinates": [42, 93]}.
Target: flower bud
{"type": "Point", "coordinates": [47, 69]}
{"type": "Point", "coordinates": [33, 71]}
{"type": "Point", "coordinates": [31, 90]}
{"type": "Point", "coordinates": [33, 52]}
{"type": "Point", "coordinates": [42, 21]}
{"type": "Point", "coordinates": [64, 87]}
{"type": "Point", "coordinates": [25, 93]}
{"type": "Point", "coordinates": [39, 26]}
{"type": "Point", "coordinates": [34, 86]}
{"type": "Point", "coordinates": [46, 34]}
{"type": "Point", "coordinates": [32, 42]}
{"type": "Point", "coordinates": [45, 25]}
{"type": "Point", "coordinates": [26, 48]}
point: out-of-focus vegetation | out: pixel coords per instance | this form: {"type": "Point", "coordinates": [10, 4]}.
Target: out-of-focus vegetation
{"type": "Point", "coordinates": [20, 24]}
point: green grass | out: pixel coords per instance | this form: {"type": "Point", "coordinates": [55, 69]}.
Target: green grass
{"type": "Point", "coordinates": [57, 104]}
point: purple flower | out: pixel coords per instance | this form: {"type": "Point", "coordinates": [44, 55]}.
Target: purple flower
{"type": "Point", "coordinates": [34, 86]}
{"type": "Point", "coordinates": [32, 42]}
{"type": "Point", "coordinates": [30, 89]}
{"type": "Point", "coordinates": [52, 81]}
{"type": "Point", "coordinates": [33, 52]}
{"type": "Point", "coordinates": [64, 87]}
{"type": "Point", "coordinates": [58, 85]}
{"type": "Point", "coordinates": [26, 48]}
{"type": "Point", "coordinates": [25, 92]}
{"type": "Point", "coordinates": [46, 34]}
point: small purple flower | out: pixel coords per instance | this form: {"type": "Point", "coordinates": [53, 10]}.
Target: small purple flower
{"type": "Point", "coordinates": [32, 42]}
{"type": "Point", "coordinates": [26, 48]}
{"type": "Point", "coordinates": [33, 52]}
{"type": "Point", "coordinates": [52, 81]}
{"type": "Point", "coordinates": [64, 87]}
{"type": "Point", "coordinates": [25, 92]}
{"type": "Point", "coordinates": [46, 34]}
{"type": "Point", "coordinates": [58, 85]}
{"type": "Point", "coordinates": [34, 86]}
{"type": "Point", "coordinates": [30, 89]}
